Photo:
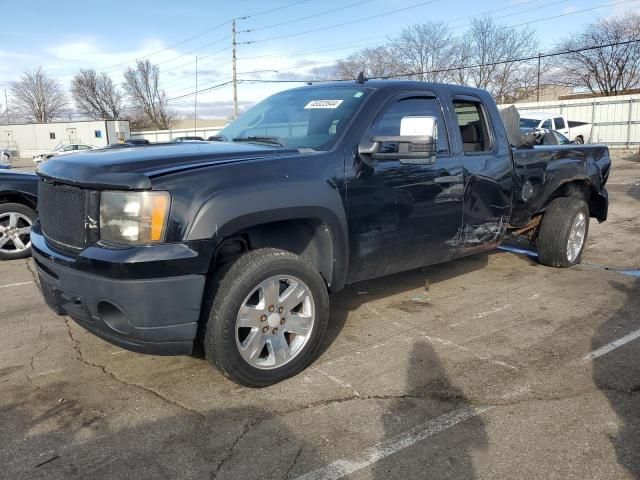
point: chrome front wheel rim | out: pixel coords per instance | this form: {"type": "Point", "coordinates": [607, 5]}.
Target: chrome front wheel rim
{"type": "Point", "coordinates": [576, 236]}
{"type": "Point", "coordinates": [275, 322]}
{"type": "Point", "coordinates": [15, 232]}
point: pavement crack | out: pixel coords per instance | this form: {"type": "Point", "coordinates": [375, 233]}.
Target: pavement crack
{"type": "Point", "coordinates": [32, 367]}
{"type": "Point", "coordinates": [230, 451]}
{"type": "Point", "coordinates": [32, 272]}
{"type": "Point", "coordinates": [80, 357]}
{"type": "Point", "coordinates": [293, 464]}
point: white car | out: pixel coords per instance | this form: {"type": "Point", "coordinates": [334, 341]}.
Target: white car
{"type": "Point", "coordinates": [576, 132]}
{"type": "Point", "coordinates": [62, 150]}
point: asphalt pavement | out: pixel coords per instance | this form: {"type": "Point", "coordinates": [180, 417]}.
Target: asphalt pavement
{"type": "Point", "coordinates": [492, 366]}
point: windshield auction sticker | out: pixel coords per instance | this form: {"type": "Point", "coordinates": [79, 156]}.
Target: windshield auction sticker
{"type": "Point", "coordinates": [323, 104]}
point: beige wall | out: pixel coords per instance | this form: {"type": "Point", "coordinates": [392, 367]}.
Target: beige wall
{"type": "Point", "coordinates": [186, 124]}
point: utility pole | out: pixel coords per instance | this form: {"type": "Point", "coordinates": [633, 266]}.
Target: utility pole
{"type": "Point", "coordinates": [538, 89]}
{"type": "Point", "coordinates": [195, 105]}
{"type": "Point", "coordinates": [235, 73]}
{"type": "Point", "coordinates": [6, 105]}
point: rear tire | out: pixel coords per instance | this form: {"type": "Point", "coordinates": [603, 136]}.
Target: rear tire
{"type": "Point", "coordinates": [15, 230]}
{"type": "Point", "coordinates": [563, 232]}
{"type": "Point", "coordinates": [578, 141]}
{"type": "Point", "coordinates": [260, 300]}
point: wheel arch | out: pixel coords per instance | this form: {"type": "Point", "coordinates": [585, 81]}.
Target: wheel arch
{"type": "Point", "coordinates": [11, 196]}
{"type": "Point", "coordinates": [581, 188]}
{"type": "Point", "coordinates": [317, 230]}
{"type": "Point", "coordinates": [310, 238]}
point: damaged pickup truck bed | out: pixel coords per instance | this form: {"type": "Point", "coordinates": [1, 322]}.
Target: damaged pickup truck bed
{"type": "Point", "coordinates": [235, 244]}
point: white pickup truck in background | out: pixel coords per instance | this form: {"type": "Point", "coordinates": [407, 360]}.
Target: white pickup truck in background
{"type": "Point", "coordinates": [576, 132]}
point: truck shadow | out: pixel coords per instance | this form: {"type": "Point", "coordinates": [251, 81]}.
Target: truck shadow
{"type": "Point", "coordinates": [617, 375]}
{"type": "Point", "coordinates": [52, 432]}
{"type": "Point", "coordinates": [64, 438]}
{"type": "Point", "coordinates": [449, 453]}
{"type": "Point", "coordinates": [355, 295]}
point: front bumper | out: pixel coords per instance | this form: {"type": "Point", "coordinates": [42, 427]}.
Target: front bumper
{"type": "Point", "coordinates": [148, 315]}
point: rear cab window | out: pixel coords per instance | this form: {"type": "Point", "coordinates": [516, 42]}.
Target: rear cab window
{"type": "Point", "coordinates": [475, 130]}
{"type": "Point", "coordinates": [559, 123]}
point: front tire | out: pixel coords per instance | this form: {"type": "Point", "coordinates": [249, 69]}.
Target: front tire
{"type": "Point", "coordinates": [563, 232]}
{"type": "Point", "coordinates": [15, 230]}
{"type": "Point", "coordinates": [268, 317]}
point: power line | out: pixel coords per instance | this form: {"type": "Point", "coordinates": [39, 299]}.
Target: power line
{"type": "Point", "coordinates": [452, 68]}
{"type": "Point", "coordinates": [400, 75]}
{"type": "Point", "coordinates": [182, 42]}
{"type": "Point", "coordinates": [514, 14]}
{"type": "Point", "coordinates": [329, 47]}
{"type": "Point", "coordinates": [573, 13]}
{"type": "Point", "coordinates": [351, 22]}
{"type": "Point", "coordinates": [198, 49]}
{"type": "Point", "coordinates": [214, 87]}
{"type": "Point", "coordinates": [186, 40]}
{"type": "Point", "coordinates": [264, 12]}
{"type": "Point", "coordinates": [307, 17]}
{"type": "Point", "coordinates": [350, 45]}
{"type": "Point", "coordinates": [496, 10]}
{"type": "Point", "coordinates": [364, 41]}
{"type": "Point", "coordinates": [461, 67]}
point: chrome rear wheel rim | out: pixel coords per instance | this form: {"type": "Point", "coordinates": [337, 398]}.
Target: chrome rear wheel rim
{"type": "Point", "coordinates": [15, 232]}
{"type": "Point", "coordinates": [576, 237]}
{"type": "Point", "coordinates": [275, 322]}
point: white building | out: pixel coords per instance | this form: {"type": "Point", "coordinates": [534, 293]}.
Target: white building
{"type": "Point", "coordinates": [29, 139]}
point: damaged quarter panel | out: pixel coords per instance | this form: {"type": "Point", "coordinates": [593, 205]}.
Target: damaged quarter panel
{"type": "Point", "coordinates": [541, 172]}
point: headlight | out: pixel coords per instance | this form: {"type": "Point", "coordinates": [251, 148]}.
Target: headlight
{"type": "Point", "coordinates": [134, 217]}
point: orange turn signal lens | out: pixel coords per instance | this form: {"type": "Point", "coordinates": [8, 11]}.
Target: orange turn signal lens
{"type": "Point", "coordinates": [159, 210]}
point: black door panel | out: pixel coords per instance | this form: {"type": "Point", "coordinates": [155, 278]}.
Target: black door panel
{"type": "Point", "coordinates": [403, 216]}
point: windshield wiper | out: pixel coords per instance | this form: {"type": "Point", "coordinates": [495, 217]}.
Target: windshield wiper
{"type": "Point", "coordinates": [259, 139]}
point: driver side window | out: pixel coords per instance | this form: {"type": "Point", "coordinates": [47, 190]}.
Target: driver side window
{"type": "Point", "coordinates": [388, 124]}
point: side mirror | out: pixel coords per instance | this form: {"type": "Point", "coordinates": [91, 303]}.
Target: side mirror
{"type": "Point", "coordinates": [416, 144]}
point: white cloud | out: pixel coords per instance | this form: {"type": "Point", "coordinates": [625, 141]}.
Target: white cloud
{"type": "Point", "coordinates": [63, 59]}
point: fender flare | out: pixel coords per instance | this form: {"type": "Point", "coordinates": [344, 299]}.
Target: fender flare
{"type": "Point", "coordinates": [232, 211]}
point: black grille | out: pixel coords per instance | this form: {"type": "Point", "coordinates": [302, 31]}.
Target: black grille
{"type": "Point", "coordinates": [62, 210]}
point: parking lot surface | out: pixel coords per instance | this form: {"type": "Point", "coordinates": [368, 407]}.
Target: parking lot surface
{"type": "Point", "coordinates": [490, 366]}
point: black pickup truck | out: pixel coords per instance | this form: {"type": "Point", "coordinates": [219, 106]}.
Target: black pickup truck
{"type": "Point", "coordinates": [235, 244]}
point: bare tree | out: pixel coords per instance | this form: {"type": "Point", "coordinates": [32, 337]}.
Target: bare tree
{"type": "Point", "coordinates": [37, 98]}
{"type": "Point", "coordinates": [374, 62]}
{"type": "Point", "coordinates": [96, 95]}
{"type": "Point", "coordinates": [427, 49]}
{"type": "Point", "coordinates": [488, 54]}
{"type": "Point", "coordinates": [148, 99]}
{"type": "Point", "coordinates": [608, 70]}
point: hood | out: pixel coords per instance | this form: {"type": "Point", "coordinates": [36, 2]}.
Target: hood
{"type": "Point", "coordinates": [17, 175]}
{"type": "Point", "coordinates": [132, 168]}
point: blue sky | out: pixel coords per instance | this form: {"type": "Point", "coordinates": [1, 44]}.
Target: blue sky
{"type": "Point", "coordinates": [67, 35]}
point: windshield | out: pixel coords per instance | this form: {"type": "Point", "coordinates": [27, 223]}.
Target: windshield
{"type": "Point", "coordinates": [529, 123]}
{"type": "Point", "coordinates": [305, 118]}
